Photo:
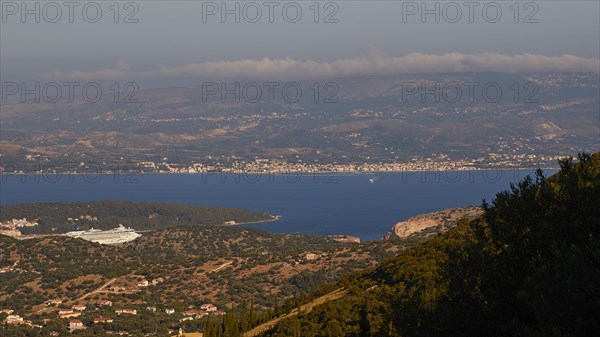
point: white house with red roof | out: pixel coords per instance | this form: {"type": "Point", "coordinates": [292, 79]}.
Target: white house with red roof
{"type": "Point", "coordinates": [76, 324]}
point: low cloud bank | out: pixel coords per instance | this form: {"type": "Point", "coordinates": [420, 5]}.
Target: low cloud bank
{"type": "Point", "coordinates": [374, 63]}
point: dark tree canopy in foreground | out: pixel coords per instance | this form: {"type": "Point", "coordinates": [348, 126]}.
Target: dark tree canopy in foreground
{"type": "Point", "coordinates": [530, 266]}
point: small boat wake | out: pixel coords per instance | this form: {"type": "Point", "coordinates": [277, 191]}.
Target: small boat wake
{"type": "Point", "coordinates": [374, 179]}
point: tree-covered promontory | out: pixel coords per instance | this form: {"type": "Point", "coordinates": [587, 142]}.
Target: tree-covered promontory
{"type": "Point", "coordinates": [107, 214]}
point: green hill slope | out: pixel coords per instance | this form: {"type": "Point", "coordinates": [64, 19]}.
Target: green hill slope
{"type": "Point", "coordinates": [530, 266]}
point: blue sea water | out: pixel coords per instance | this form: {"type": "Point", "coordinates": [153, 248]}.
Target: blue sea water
{"type": "Point", "coordinates": [363, 205]}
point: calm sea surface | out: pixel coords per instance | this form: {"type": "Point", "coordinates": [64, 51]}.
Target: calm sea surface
{"type": "Point", "coordinates": [362, 205]}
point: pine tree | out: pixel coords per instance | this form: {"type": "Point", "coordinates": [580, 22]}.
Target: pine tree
{"type": "Point", "coordinates": [252, 317]}
{"type": "Point", "coordinates": [244, 319]}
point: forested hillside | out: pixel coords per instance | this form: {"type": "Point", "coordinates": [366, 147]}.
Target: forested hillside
{"type": "Point", "coordinates": [530, 266]}
{"type": "Point", "coordinates": [251, 274]}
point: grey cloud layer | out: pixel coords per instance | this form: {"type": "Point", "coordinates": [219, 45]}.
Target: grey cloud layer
{"type": "Point", "coordinates": [372, 64]}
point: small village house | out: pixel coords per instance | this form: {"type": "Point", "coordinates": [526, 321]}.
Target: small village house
{"type": "Point", "coordinates": [208, 307]}
{"type": "Point", "coordinates": [126, 311]}
{"type": "Point", "coordinates": [78, 307]}
{"type": "Point", "coordinates": [76, 324]}
{"type": "Point", "coordinates": [100, 320]}
{"type": "Point", "coordinates": [14, 319]}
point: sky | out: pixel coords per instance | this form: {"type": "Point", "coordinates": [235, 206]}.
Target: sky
{"type": "Point", "coordinates": [168, 43]}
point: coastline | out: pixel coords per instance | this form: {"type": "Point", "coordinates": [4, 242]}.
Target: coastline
{"type": "Point", "coordinates": [275, 218]}
{"type": "Point", "coordinates": [140, 232]}
{"type": "Point", "coordinates": [282, 173]}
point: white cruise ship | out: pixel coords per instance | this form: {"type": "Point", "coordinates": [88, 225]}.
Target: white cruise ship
{"type": "Point", "coordinates": [109, 237]}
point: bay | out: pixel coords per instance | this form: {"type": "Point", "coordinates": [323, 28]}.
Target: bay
{"type": "Point", "coordinates": [362, 205]}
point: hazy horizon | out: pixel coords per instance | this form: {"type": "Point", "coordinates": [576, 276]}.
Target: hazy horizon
{"type": "Point", "coordinates": [351, 38]}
